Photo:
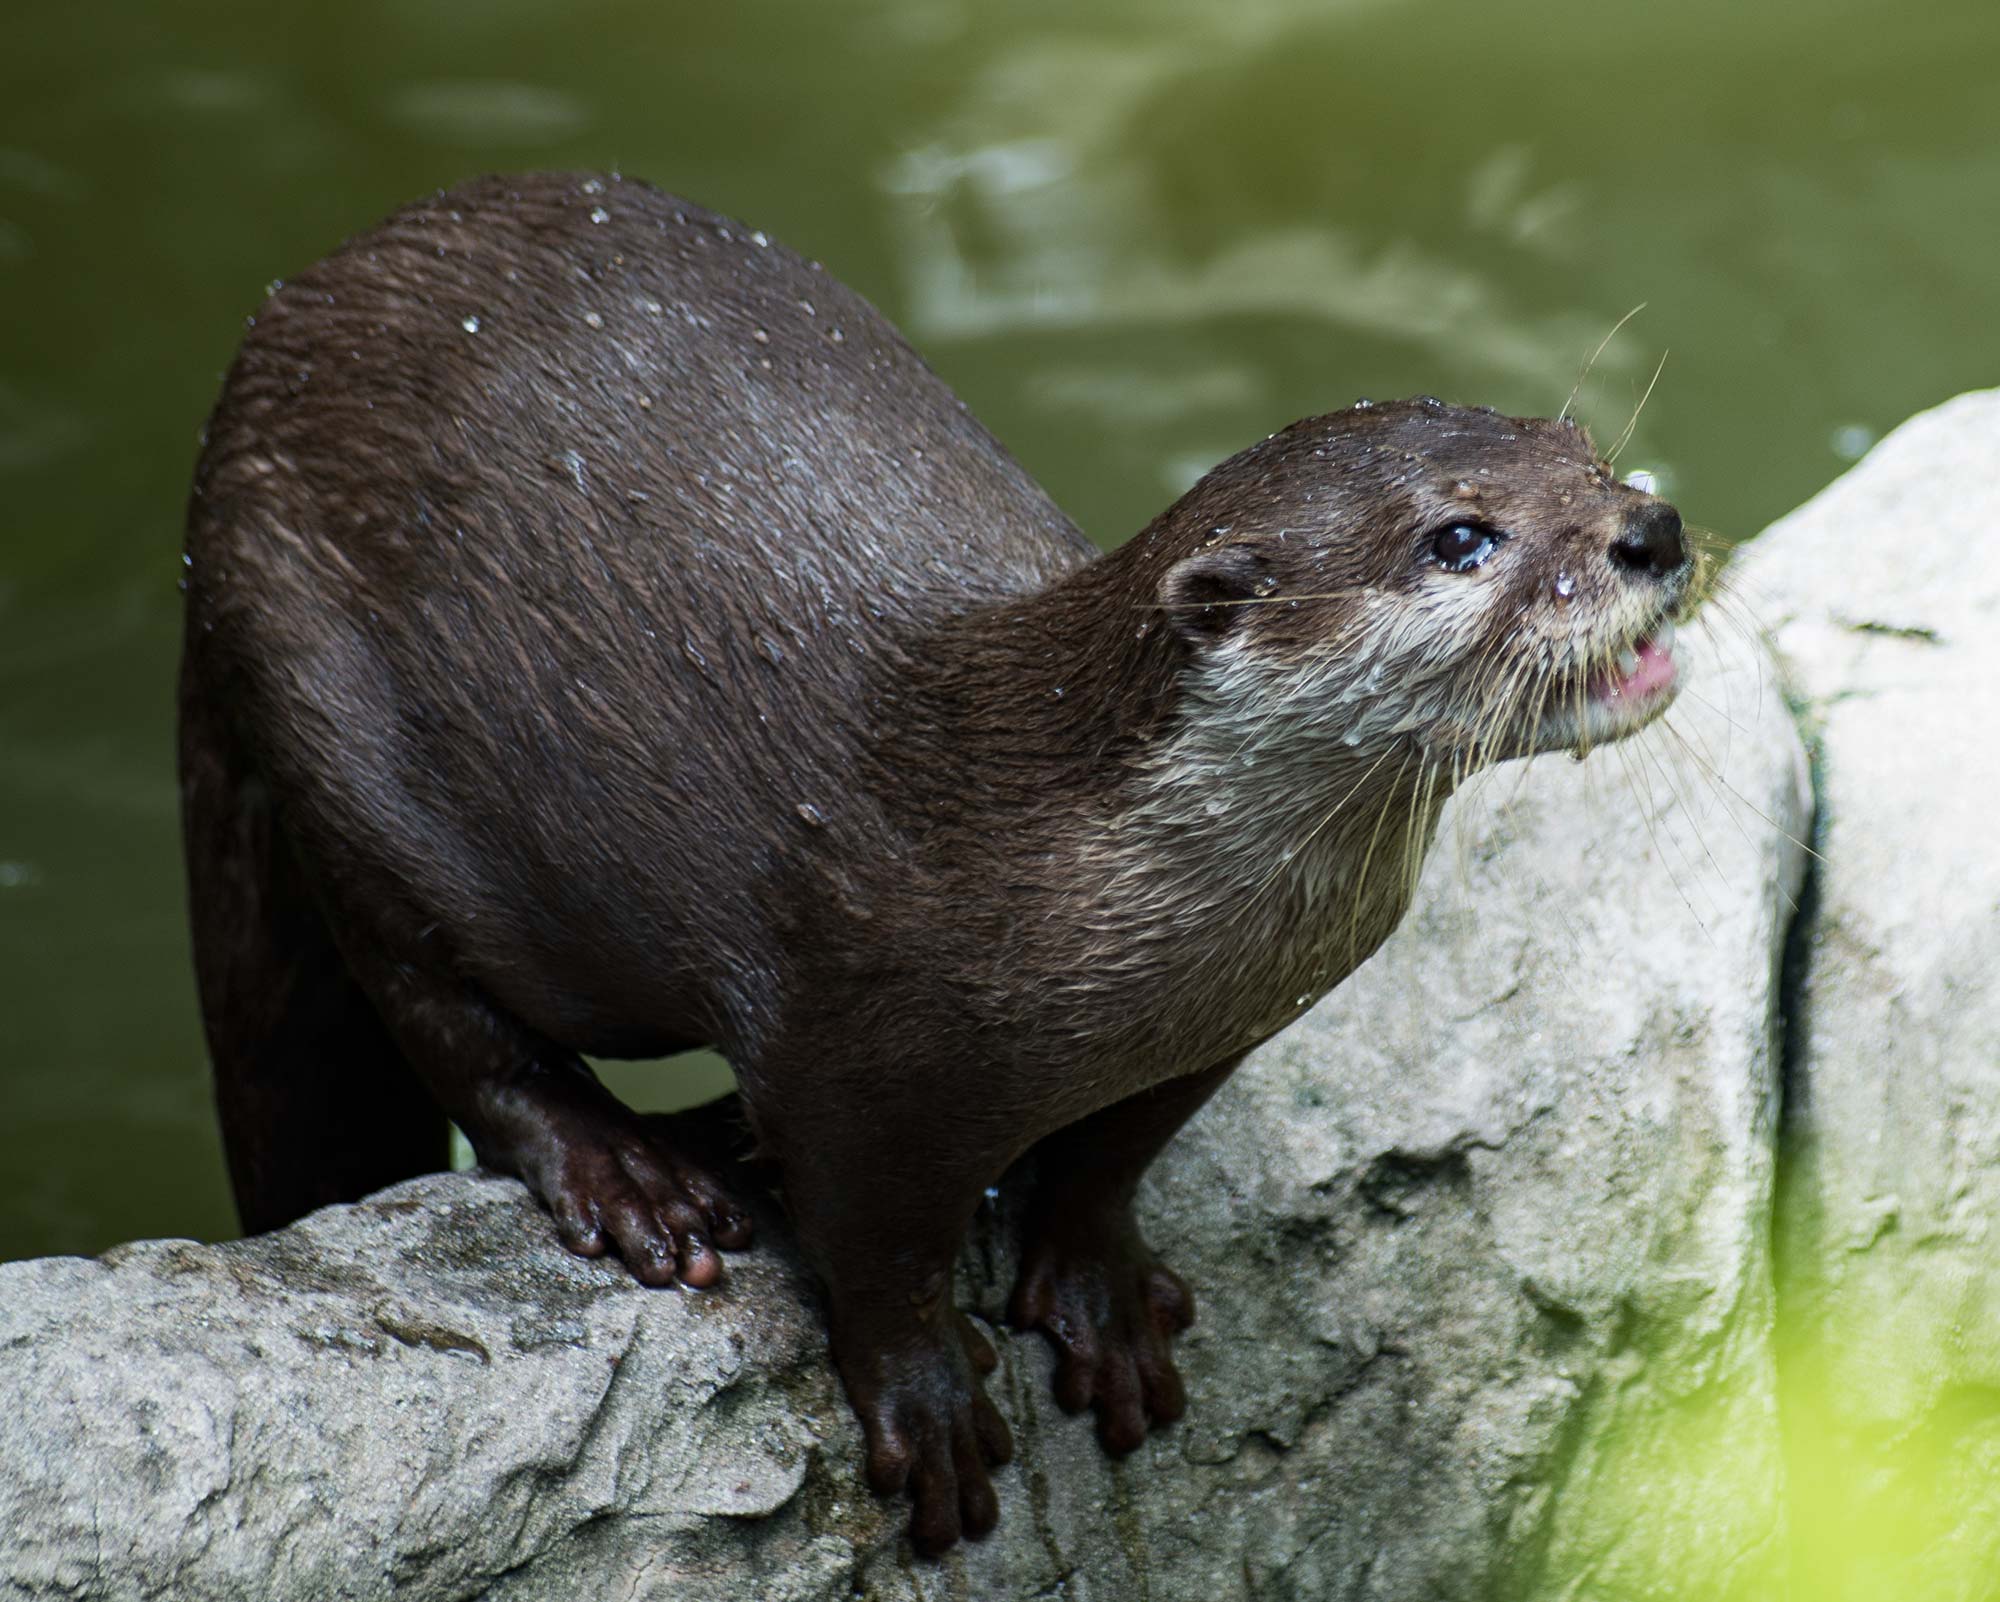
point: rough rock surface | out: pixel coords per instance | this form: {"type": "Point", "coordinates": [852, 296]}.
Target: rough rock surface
{"type": "Point", "coordinates": [1885, 604]}
{"type": "Point", "coordinates": [1481, 1247]}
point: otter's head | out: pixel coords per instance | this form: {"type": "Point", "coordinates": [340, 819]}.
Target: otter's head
{"type": "Point", "coordinates": [1466, 585]}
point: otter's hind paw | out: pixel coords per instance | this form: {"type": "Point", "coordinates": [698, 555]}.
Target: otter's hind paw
{"type": "Point", "coordinates": [1110, 1309]}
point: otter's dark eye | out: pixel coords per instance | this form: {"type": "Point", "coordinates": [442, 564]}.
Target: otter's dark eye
{"type": "Point", "coordinates": [1463, 546]}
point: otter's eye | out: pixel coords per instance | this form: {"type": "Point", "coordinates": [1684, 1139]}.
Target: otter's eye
{"type": "Point", "coordinates": [1463, 546]}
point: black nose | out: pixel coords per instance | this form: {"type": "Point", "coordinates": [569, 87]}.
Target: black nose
{"type": "Point", "coordinates": [1651, 543]}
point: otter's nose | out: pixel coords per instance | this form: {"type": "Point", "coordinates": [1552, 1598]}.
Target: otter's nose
{"type": "Point", "coordinates": [1651, 542]}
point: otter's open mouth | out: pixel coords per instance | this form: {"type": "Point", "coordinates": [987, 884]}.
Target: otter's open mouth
{"type": "Point", "coordinates": [1617, 698]}
{"type": "Point", "coordinates": [1621, 697]}
{"type": "Point", "coordinates": [1641, 675]}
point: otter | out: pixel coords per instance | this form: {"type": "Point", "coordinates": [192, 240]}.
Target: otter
{"type": "Point", "coordinates": [606, 636]}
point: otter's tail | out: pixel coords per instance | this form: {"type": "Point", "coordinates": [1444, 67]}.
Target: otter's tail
{"type": "Point", "coordinates": [317, 1103]}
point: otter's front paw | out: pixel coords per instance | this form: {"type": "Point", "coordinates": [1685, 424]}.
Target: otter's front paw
{"type": "Point", "coordinates": [663, 1214]}
{"type": "Point", "coordinates": [929, 1427]}
{"type": "Point", "coordinates": [1110, 1308]}
{"type": "Point", "coordinates": [615, 1181]}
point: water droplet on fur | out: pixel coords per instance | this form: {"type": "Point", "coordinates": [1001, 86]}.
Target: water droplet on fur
{"type": "Point", "coordinates": [769, 650]}
{"type": "Point", "coordinates": [1056, 694]}
{"type": "Point", "coordinates": [470, 323]}
{"type": "Point", "coordinates": [1351, 738]}
{"type": "Point", "coordinates": [274, 286]}
{"type": "Point", "coordinates": [599, 215]}
{"type": "Point", "coordinates": [693, 653]}
{"type": "Point", "coordinates": [1564, 587]}
{"type": "Point", "coordinates": [593, 320]}
{"type": "Point", "coordinates": [760, 239]}
{"type": "Point", "coordinates": [593, 186]}
{"type": "Point", "coordinates": [1361, 405]}
{"type": "Point", "coordinates": [806, 306]}
{"type": "Point", "coordinates": [837, 337]}
{"type": "Point", "coordinates": [1302, 1001]}
{"type": "Point", "coordinates": [761, 336]}
{"type": "Point", "coordinates": [812, 814]}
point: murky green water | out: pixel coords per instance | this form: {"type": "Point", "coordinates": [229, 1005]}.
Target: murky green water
{"type": "Point", "coordinates": [1135, 234]}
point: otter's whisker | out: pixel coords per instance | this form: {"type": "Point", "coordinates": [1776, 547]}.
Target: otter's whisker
{"type": "Point", "coordinates": [1584, 372]}
{"type": "Point", "coordinates": [1764, 817]}
{"type": "Point", "coordinates": [1625, 438]}
{"type": "Point", "coordinates": [1647, 816]}
{"type": "Point", "coordinates": [1652, 753]}
{"type": "Point", "coordinates": [1391, 796]}
{"type": "Point", "coordinates": [1647, 756]}
{"type": "Point", "coordinates": [1284, 599]}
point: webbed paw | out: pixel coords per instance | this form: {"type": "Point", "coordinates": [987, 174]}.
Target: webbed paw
{"type": "Point", "coordinates": [929, 1427]}
{"type": "Point", "coordinates": [1110, 1308]}
{"type": "Point", "coordinates": [615, 1181]}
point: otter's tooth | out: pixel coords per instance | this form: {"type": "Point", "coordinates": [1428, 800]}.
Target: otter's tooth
{"type": "Point", "coordinates": [1628, 662]}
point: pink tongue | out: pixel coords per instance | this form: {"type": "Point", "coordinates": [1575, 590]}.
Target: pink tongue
{"type": "Point", "coordinates": [1654, 672]}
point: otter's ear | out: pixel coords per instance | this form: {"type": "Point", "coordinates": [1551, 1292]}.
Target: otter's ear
{"type": "Point", "coordinates": [1203, 594]}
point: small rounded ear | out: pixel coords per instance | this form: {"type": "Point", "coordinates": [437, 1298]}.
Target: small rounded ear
{"type": "Point", "coordinates": [1203, 594]}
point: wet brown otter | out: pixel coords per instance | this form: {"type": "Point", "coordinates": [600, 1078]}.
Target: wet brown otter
{"type": "Point", "coordinates": [605, 635]}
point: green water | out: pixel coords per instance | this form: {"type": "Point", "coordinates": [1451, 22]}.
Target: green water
{"type": "Point", "coordinates": [1134, 235]}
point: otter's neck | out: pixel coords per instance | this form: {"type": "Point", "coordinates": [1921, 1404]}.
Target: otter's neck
{"type": "Point", "coordinates": [1178, 829]}
{"type": "Point", "coordinates": [1286, 846]}
{"type": "Point", "coordinates": [1028, 711]}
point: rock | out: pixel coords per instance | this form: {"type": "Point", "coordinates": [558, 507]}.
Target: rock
{"type": "Point", "coordinates": [1481, 1248]}
{"type": "Point", "coordinates": [418, 1396]}
{"type": "Point", "coordinates": [1884, 599]}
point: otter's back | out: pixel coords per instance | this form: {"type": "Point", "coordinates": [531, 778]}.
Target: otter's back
{"type": "Point", "coordinates": [550, 531]}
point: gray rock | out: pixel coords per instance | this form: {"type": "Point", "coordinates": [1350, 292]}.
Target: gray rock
{"type": "Point", "coordinates": [1480, 1245]}
{"type": "Point", "coordinates": [1884, 597]}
